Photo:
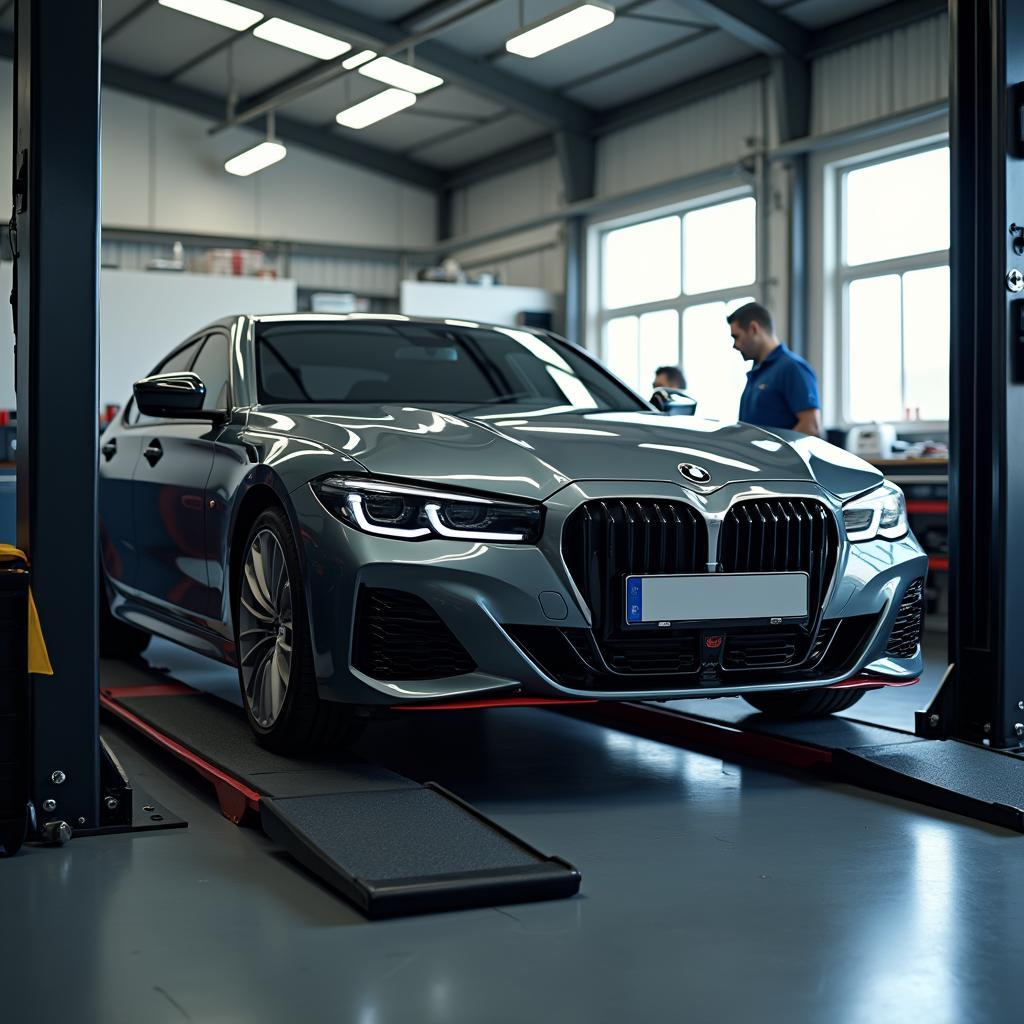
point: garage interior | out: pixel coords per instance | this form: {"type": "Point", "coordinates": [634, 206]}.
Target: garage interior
{"type": "Point", "coordinates": [852, 165]}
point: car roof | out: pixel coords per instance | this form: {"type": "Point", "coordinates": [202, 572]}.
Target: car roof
{"type": "Point", "coordinates": [275, 318]}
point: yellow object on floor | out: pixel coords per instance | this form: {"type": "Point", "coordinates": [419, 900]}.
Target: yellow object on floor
{"type": "Point", "coordinates": [13, 560]}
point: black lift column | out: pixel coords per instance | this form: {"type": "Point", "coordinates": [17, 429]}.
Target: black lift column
{"type": "Point", "coordinates": [982, 697]}
{"type": "Point", "coordinates": [56, 241]}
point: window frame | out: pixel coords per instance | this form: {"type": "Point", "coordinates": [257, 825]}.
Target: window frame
{"type": "Point", "coordinates": [602, 315]}
{"type": "Point", "coordinates": [843, 274]}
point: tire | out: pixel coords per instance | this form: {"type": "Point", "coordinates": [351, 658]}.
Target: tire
{"type": "Point", "coordinates": [805, 703]}
{"type": "Point", "coordinates": [275, 655]}
{"type": "Point", "coordinates": [117, 638]}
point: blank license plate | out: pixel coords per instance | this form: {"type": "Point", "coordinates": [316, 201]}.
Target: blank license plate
{"type": "Point", "coordinates": [716, 597]}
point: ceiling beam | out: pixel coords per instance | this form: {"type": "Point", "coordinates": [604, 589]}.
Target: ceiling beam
{"type": "Point", "coordinates": [511, 159]}
{"type": "Point", "coordinates": [311, 137]}
{"type": "Point", "coordinates": [761, 27]}
{"type": "Point", "coordinates": [682, 93]}
{"type": "Point", "coordinates": [508, 90]}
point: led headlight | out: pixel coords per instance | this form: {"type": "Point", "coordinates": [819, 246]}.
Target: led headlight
{"type": "Point", "coordinates": [414, 513]}
{"type": "Point", "coordinates": [882, 513]}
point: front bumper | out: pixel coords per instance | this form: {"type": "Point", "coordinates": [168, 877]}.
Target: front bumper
{"type": "Point", "coordinates": [477, 589]}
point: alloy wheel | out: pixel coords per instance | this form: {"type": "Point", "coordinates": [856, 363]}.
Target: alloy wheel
{"type": "Point", "coordinates": [265, 628]}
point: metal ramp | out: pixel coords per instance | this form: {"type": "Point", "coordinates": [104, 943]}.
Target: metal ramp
{"type": "Point", "coordinates": [386, 843]}
{"type": "Point", "coordinates": [962, 778]}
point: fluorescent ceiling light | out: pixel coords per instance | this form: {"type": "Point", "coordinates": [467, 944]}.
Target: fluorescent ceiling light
{"type": "Point", "coordinates": [305, 40]}
{"type": "Point", "coordinates": [577, 20]}
{"type": "Point", "coordinates": [220, 12]}
{"type": "Point", "coordinates": [401, 76]}
{"type": "Point", "coordinates": [358, 58]}
{"type": "Point", "coordinates": [255, 159]}
{"type": "Point", "coordinates": [376, 108]}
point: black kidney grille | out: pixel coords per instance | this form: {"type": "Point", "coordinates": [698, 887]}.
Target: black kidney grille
{"type": "Point", "coordinates": [606, 541]}
{"type": "Point", "coordinates": [782, 535]}
{"type": "Point", "coordinates": [399, 636]}
{"type": "Point", "coordinates": [906, 631]}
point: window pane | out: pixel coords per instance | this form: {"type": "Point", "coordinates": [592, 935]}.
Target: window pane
{"type": "Point", "coordinates": [621, 344]}
{"type": "Point", "coordinates": [641, 263]}
{"type": "Point", "coordinates": [874, 348]}
{"type": "Point", "coordinates": [659, 346]}
{"type": "Point", "coordinates": [720, 246]}
{"type": "Point", "coordinates": [715, 373]}
{"type": "Point", "coordinates": [926, 342]}
{"type": "Point", "coordinates": [898, 208]}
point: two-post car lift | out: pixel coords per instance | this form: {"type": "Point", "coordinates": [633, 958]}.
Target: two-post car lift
{"type": "Point", "coordinates": [393, 845]}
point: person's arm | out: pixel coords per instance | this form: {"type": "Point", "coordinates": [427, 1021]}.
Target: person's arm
{"type": "Point", "coordinates": [801, 390]}
{"type": "Point", "coordinates": [809, 422]}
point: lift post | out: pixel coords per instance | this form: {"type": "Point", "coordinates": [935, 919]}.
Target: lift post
{"type": "Point", "coordinates": [55, 237]}
{"type": "Point", "coordinates": [982, 695]}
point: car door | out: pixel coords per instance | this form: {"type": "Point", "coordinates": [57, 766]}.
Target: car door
{"type": "Point", "coordinates": [168, 496]}
{"type": "Point", "coordinates": [120, 454]}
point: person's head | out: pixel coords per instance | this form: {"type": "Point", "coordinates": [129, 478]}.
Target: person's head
{"type": "Point", "coordinates": [669, 377]}
{"type": "Point", "coordinates": [753, 331]}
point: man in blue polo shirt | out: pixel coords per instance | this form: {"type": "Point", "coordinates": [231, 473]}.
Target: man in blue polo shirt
{"type": "Point", "coordinates": [781, 390]}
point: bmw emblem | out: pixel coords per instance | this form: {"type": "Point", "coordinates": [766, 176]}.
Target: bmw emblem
{"type": "Point", "coordinates": [698, 474]}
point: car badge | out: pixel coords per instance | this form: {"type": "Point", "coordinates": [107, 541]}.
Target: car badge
{"type": "Point", "coordinates": [698, 474]}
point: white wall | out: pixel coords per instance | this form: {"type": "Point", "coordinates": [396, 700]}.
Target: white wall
{"type": "Point", "coordinates": [144, 315]}
{"type": "Point", "coordinates": [161, 171]}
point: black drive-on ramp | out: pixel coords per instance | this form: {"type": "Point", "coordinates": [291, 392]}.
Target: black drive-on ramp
{"type": "Point", "coordinates": [963, 778]}
{"type": "Point", "coordinates": [388, 844]}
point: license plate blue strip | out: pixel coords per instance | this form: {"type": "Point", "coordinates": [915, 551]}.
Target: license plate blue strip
{"type": "Point", "coordinates": [635, 599]}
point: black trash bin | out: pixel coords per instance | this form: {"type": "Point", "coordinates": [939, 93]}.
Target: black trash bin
{"type": "Point", "coordinates": [14, 706]}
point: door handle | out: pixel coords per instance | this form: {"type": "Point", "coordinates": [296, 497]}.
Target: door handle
{"type": "Point", "coordinates": [154, 452]}
{"type": "Point", "coordinates": [109, 449]}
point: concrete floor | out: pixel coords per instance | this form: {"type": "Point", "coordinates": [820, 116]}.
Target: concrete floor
{"type": "Point", "coordinates": [712, 891]}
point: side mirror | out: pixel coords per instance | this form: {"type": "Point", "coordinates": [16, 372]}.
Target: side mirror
{"type": "Point", "coordinates": [673, 402]}
{"type": "Point", "coordinates": [173, 396]}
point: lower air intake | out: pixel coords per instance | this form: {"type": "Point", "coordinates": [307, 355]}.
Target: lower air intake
{"type": "Point", "coordinates": [399, 636]}
{"type": "Point", "coordinates": [906, 631]}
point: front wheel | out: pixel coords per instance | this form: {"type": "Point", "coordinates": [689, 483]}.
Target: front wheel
{"type": "Point", "coordinates": [804, 703]}
{"type": "Point", "coordinates": [275, 656]}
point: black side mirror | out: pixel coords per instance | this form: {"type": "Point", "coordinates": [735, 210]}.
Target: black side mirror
{"type": "Point", "coordinates": [673, 402]}
{"type": "Point", "coordinates": [173, 396]}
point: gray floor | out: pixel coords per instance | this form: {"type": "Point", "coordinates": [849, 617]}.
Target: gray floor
{"type": "Point", "coordinates": [713, 891]}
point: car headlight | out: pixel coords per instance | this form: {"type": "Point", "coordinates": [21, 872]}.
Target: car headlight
{"type": "Point", "coordinates": [389, 509]}
{"type": "Point", "coordinates": [882, 513]}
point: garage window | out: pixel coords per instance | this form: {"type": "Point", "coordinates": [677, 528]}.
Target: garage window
{"type": "Point", "coordinates": [894, 287]}
{"type": "Point", "coordinates": [666, 285]}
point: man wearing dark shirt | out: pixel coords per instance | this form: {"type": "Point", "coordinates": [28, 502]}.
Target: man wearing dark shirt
{"type": "Point", "coordinates": [782, 390]}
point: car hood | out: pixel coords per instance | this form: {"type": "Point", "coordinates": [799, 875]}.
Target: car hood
{"type": "Point", "coordinates": [534, 454]}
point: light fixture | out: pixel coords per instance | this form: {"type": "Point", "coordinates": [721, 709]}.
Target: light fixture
{"type": "Point", "coordinates": [376, 108]}
{"type": "Point", "coordinates": [220, 12]}
{"type": "Point", "coordinates": [259, 156]}
{"type": "Point", "coordinates": [255, 159]}
{"type": "Point", "coordinates": [304, 40]}
{"type": "Point", "coordinates": [358, 58]}
{"type": "Point", "coordinates": [559, 29]}
{"type": "Point", "coordinates": [401, 76]}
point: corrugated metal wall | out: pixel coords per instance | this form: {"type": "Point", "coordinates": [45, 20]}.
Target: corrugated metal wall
{"type": "Point", "coordinates": [702, 135]}
{"type": "Point", "coordinates": [881, 76]}
{"type": "Point", "coordinates": [535, 258]}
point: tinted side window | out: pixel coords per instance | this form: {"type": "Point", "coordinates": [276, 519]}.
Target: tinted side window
{"type": "Point", "coordinates": [212, 367]}
{"type": "Point", "coordinates": [175, 363]}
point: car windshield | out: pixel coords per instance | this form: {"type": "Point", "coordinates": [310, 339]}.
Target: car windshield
{"type": "Point", "coordinates": [428, 364]}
